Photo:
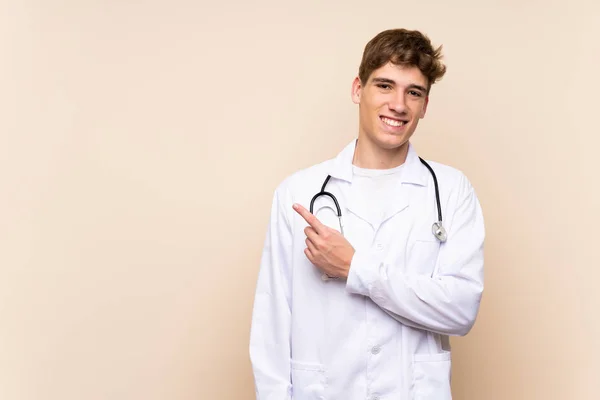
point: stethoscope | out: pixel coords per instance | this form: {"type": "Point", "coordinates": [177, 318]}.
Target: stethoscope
{"type": "Point", "coordinates": [437, 228]}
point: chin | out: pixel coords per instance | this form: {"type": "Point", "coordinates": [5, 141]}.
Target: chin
{"type": "Point", "coordinates": [389, 142]}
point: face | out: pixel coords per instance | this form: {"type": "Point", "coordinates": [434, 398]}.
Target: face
{"type": "Point", "coordinates": [391, 103]}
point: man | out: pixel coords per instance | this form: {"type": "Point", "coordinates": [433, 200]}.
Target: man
{"type": "Point", "coordinates": [363, 308]}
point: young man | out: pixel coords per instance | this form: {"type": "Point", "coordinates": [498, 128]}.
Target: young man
{"type": "Point", "coordinates": [362, 307]}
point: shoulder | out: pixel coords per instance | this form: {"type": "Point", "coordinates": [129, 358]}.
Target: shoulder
{"type": "Point", "coordinates": [451, 180]}
{"type": "Point", "coordinates": [448, 172]}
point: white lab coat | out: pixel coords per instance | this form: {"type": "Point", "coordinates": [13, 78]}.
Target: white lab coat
{"type": "Point", "coordinates": [383, 332]}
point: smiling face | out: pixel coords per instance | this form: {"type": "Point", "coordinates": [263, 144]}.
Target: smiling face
{"type": "Point", "coordinates": [391, 103]}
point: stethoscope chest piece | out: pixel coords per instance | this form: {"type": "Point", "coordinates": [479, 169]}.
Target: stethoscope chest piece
{"type": "Point", "coordinates": [439, 231]}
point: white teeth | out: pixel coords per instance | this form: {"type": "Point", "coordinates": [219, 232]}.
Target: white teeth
{"type": "Point", "coordinates": [392, 122]}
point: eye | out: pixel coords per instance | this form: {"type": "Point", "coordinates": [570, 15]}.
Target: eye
{"type": "Point", "coordinates": [384, 86]}
{"type": "Point", "coordinates": [415, 93]}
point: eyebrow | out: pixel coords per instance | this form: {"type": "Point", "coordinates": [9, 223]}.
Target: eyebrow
{"type": "Point", "coordinates": [391, 81]}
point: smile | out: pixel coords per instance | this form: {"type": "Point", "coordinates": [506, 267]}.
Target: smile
{"type": "Point", "coordinates": [393, 122]}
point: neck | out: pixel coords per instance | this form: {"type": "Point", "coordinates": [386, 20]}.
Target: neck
{"type": "Point", "coordinates": [370, 156]}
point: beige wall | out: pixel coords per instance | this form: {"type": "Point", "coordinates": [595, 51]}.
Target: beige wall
{"type": "Point", "coordinates": [140, 143]}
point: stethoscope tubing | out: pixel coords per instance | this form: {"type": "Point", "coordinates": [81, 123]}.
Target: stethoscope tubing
{"type": "Point", "coordinates": [438, 229]}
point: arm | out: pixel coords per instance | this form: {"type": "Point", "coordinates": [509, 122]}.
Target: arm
{"type": "Point", "coordinates": [270, 328]}
{"type": "Point", "coordinates": [446, 302]}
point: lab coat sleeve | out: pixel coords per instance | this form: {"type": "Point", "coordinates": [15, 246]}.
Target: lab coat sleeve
{"type": "Point", "coordinates": [446, 302]}
{"type": "Point", "coordinates": [271, 316]}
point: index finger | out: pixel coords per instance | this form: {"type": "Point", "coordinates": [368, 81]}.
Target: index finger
{"type": "Point", "coordinates": [310, 218]}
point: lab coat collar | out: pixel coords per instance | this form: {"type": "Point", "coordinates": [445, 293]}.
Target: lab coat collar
{"type": "Point", "coordinates": [414, 172]}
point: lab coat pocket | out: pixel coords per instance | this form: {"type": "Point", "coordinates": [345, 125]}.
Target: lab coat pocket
{"type": "Point", "coordinates": [422, 256]}
{"type": "Point", "coordinates": [308, 381]}
{"type": "Point", "coordinates": [432, 373]}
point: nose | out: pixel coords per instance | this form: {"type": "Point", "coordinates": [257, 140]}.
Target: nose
{"type": "Point", "coordinates": [398, 104]}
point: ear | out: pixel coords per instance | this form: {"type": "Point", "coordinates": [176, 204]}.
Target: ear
{"type": "Point", "coordinates": [356, 90]}
{"type": "Point", "coordinates": [424, 109]}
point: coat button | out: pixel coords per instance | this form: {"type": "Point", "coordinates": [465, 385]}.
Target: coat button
{"type": "Point", "coordinates": [375, 350]}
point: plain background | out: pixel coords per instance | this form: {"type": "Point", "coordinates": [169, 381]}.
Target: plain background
{"type": "Point", "coordinates": [141, 142]}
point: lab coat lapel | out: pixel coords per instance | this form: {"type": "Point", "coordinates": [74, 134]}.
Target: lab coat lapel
{"type": "Point", "coordinates": [414, 176]}
{"type": "Point", "coordinates": [414, 173]}
{"type": "Point", "coordinates": [360, 208]}
{"type": "Point", "coordinates": [398, 202]}
{"type": "Point", "coordinates": [342, 169]}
